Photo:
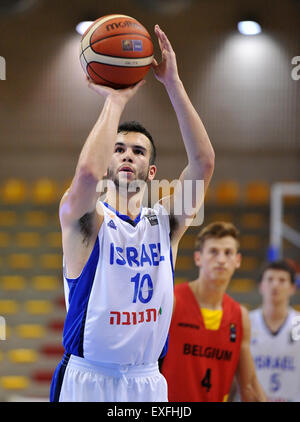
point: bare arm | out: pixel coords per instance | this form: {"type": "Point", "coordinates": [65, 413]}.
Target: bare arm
{"type": "Point", "coordinates": [95, 155]}
{"type": "Point", "coordinates": [79, 220]}
{"type": "Point", "coordinates": [199, 150]}
{"type": "Point", "coordinates": [250, 388]}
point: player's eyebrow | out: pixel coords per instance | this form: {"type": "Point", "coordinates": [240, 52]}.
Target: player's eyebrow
{"type": "Point", "coordinates": [133, 146]}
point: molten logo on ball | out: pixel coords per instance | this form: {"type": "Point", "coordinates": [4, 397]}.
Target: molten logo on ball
{"type": "Point", "coordinates": [124, 24]}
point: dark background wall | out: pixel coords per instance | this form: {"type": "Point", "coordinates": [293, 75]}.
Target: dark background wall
{"type": "Point", "coordinates": [241, 86]}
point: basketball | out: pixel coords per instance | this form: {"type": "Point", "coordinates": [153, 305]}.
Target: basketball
{"type": "Point", "coordinates": [116, 50]}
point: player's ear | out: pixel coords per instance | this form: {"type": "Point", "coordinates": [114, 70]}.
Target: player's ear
{"type": "Point", "coordinates": [197, 258]}
{"type": "Point", "coordinates": [152, 171]}
{"type": "Point", "coordinates": [238, 260]}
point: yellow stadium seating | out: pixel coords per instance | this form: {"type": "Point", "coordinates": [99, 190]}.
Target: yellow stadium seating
{"type": "Point", "coordinates": [22, 355]}
{"type": "Point", "coordinates": [257, 193]}
{"type": "Point", "coordinates": [250, 263]}
{"type": "Point", "coordinates": [188, 242]}
{"type": "Point", "coordinates": [45, 282]}
{"type": "Point", "coordinates": [12, 282]}
{"type": "Point", "coordinates": [45, 191]}
{"type": "Point", "coordinates": [252, 220]}
{"type": "Point", "coordinates": [242, 285]}
{"type": "Point", "coordinates": [38, 307]}
{"type": "Point", "coordinates": [28, 239]}
{"type": "Point", "coordinates": [8, 307]}
{"type": "Point", "coordinates": [51, 261]}
{"type": "Point", "coordinates": [251, 242]}
{"type": "Point", "coordinates": [5, 239]}
{"type": "Point", "coordinates": [8, 218]}
{"type": "Point", "coordinates": [14, 382]}
{"type": "Point", "coordinates": [36, 218]}
{"type": "Point", "coordinates": [30, 331]}
{"type": "Point", "coordinates": [185, 263]}
{"type": "Point", "coordinates": [14, 191]}
{"type": "Point", "coordinates": [227, 192]}
{"type": "Point", "coordinates": [53, 240]}
{"type": "Point", "coordinates": [20, 261]}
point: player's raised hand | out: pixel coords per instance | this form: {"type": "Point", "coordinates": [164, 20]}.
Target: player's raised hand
{"type": "Point", "coordinates": [165, 71]}
{"type": "Point", "coordinates": [121, 96]}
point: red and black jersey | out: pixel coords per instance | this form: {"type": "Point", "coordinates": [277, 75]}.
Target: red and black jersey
{"type": "Point", "coordinates": [201, 363]}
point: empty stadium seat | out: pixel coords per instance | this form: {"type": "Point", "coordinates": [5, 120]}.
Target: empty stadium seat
{"type": "Point", "coordinates": [184, 262]}
{"type": "Point", "coordinates": [22, 355]}
{"type": "Point", "coordinates": [8, 307]}
{"type": "Point", "coordinates": [257, 193]}
{"type": "Point", "coordinates": [20, 261]}
{"type": "Point", "coordinates": [14, 382]}
{"type": "Point", "coordinates": [28, 239]}
{"type": "Point", "coordinates": [30, 331]}
{"type": "Point", "coordinates": [8, 218]}
{"type": "Point", "coordinates": [252, 220]}
{"type": "Point", "coordinates": [51, 261]}
{"type": "Point", "coordinates": [45, 191]}
{"type": "Point", "coordinates": [5, 239]}
{"type": "Point", "coordinates": [46, 282]}
{"type": "Point", "coordinates": [36, 218]}
{"type": "Point", "coordinates": [227, 192]}
{"type": "Point", "coordinates": [12, 282]}
{"type": "Point", "coordinates": [14, 191]}
{"type": "Point", "coordinates": [53, 240]}
{"type": "Point", "coordinates": [250, 263]}
{"type": "Point", "coordinates": [38, 307]}
{"type": "Point", "coordinates": [219, 216]}
{"type": "Point", "coordinates": [242, 285]}
{"type": "Point", "coordinates": [251, 242]}
{"type": "Point", "coordinates": [188, 242]}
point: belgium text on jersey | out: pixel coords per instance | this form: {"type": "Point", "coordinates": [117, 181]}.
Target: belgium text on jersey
{"type": "Point", "coordinates": [184, 198]}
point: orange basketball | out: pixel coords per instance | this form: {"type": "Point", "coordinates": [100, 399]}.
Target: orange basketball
{"type": "Point", "coordinates": [116, 50]}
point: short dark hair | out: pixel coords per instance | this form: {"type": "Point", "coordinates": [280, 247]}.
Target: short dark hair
{"type": "Point", "coordinates": [134, 126]}
{"type": "Point", "coordinates": [282, 265]}
{"type": "Point", "coordinates": [217, 230]}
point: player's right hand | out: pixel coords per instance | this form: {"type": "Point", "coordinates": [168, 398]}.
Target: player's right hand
{"type": "Point", "coordinates": [120, 95]}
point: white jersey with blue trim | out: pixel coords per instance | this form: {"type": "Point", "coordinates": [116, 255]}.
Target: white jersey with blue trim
{"type": "Point", "coordinates": [120, 307]}
{"type": "Point", "coordinates": [277, 356]}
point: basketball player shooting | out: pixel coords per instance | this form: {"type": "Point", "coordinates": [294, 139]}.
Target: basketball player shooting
{"type": "Point", "coordinates": [118, 259]}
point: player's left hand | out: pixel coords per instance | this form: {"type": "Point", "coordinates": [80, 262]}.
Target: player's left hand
{"type": "Point", "coordinates": [166, 71]}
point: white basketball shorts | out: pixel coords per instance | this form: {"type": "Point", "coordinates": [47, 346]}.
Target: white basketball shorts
{"type": "Point", "coordinates": [79, 380]}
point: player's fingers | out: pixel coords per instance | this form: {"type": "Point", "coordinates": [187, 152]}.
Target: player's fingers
{"type": "Point", "coordinates": [163, 39]}
{"type": "Point", "coordinates": [154, 63]}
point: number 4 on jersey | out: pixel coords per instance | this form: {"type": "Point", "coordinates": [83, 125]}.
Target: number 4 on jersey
{"type": "Point", "coordinates": [206, 380]}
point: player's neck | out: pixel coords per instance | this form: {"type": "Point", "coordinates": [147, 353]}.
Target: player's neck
{"type": "Point", "coordinates": [208, 294]}
{"type": "Point", "coordinates": [275, 313]}
{"type": "Point", "coordinates": [125, 203]}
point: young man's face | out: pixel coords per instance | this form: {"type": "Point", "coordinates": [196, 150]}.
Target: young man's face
{"type": "Point", "coordinates": [276, 286]}
{"type": "Point", "coordinates": [130, 160]}
{"type": "Point", "coordinates": [218, 259]}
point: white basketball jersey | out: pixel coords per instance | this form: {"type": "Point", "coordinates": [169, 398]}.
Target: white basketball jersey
{"type": "Point", "coordinates": [277, 357]}
{"type": "Point", "coordinates": [119, 309]}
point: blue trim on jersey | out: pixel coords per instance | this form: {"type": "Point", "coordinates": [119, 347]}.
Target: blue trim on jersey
{"type": "Point", "coordinates": [58, 378]}
{"type": "Point", "coordinates": [124, 217]}
{"type": "Point", "coordinates": [165, 349]}
{"type": "Point", "coordinates": [79, 293]}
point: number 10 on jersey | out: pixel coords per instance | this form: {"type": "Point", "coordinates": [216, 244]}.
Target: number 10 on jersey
{"type": "Point", "coordinates": [142, 286]}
